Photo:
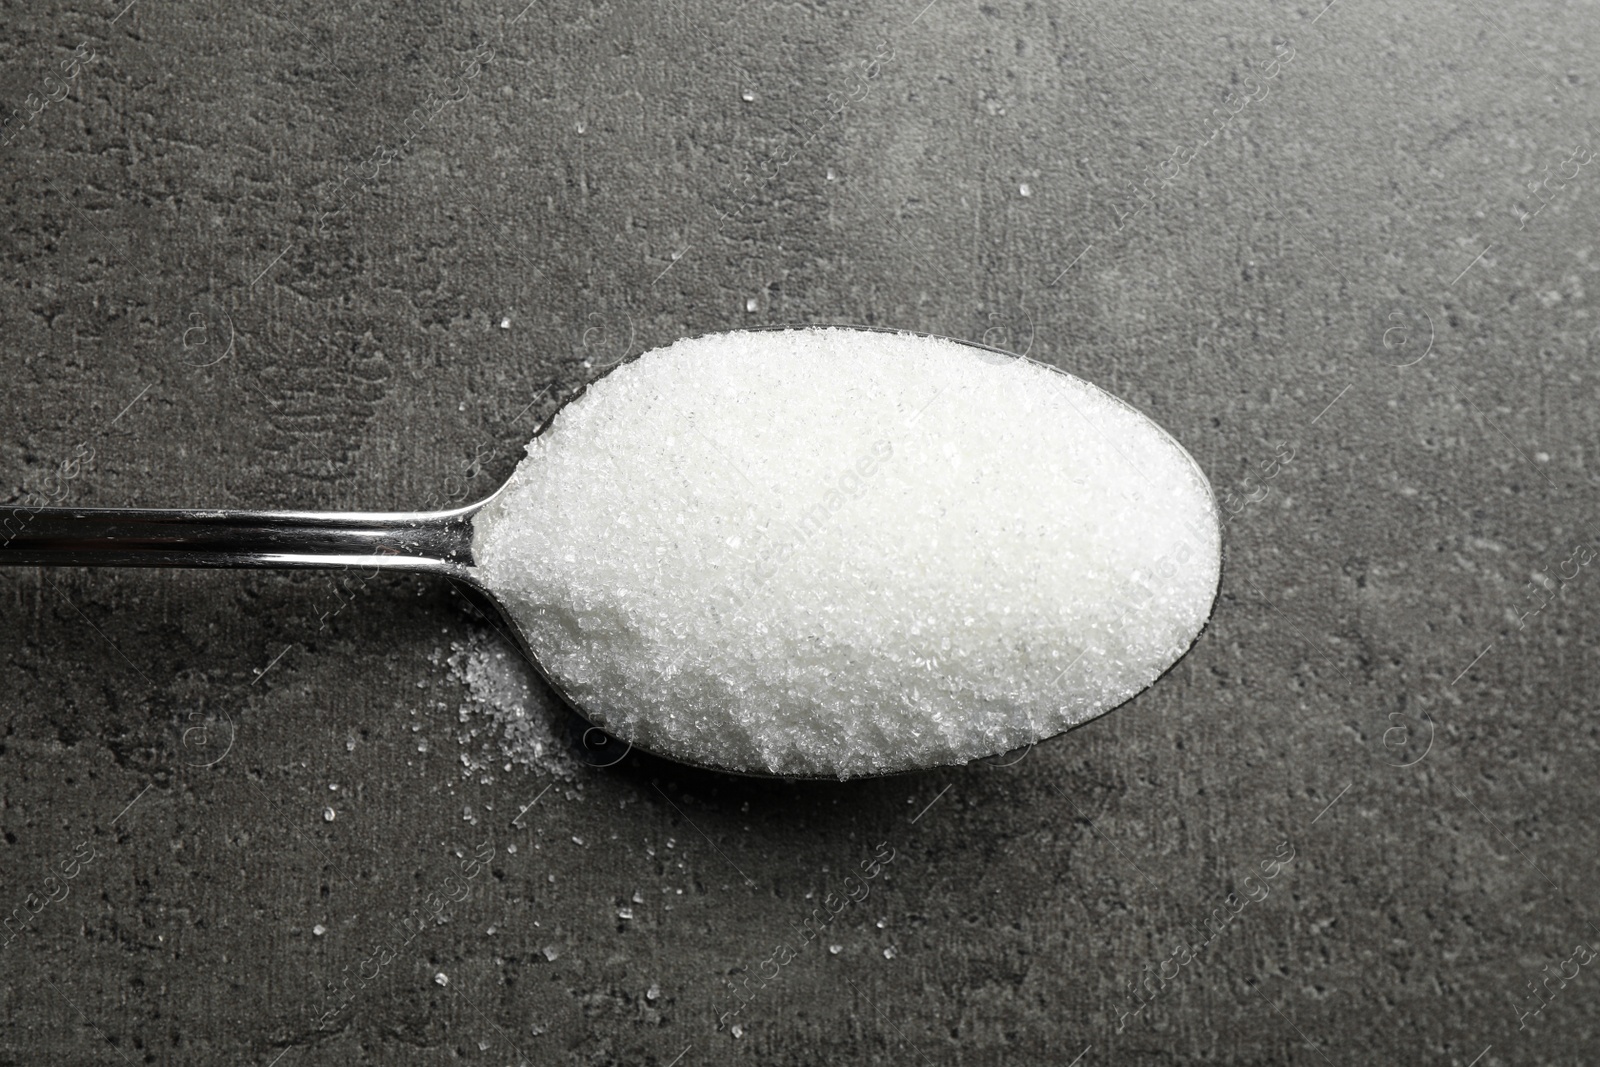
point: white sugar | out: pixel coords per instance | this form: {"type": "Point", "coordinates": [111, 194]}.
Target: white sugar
{"type": "Point", "coordinates": [506, 719]}
{"type": "Point", "coordinates": [843, 552]}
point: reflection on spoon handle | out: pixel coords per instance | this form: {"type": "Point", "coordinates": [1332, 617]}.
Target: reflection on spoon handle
{"type": "Point", "coordinates": [430, 542]}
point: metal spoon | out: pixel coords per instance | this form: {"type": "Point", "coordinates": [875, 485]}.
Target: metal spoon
{"type": "Point", "coordinates": [438, 543]}
{"type": "Point", "coordinates": [417, 542]}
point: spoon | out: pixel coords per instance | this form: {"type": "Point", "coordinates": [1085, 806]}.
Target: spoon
{"type": "Point", "coordinates": [456, 545]}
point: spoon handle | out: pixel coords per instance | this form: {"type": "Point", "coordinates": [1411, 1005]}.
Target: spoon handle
{"type": "Point", "coordinates": [438, 542]}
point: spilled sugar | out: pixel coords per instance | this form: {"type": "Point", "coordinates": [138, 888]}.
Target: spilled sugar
{"type": "Point", "coordinates": [844, 552]}
{"type": "Point", "coordinates": [506, 720]}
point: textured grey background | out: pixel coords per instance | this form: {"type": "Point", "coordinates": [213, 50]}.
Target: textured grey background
{"type": "Point", "coordinates": [187, 189]}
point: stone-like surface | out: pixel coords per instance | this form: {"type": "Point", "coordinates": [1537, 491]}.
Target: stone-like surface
{"type": "Point", "coordinates": [593, 177]}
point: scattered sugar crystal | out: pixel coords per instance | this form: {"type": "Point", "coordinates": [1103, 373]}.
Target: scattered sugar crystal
{"type": "Point", "coordinates": [514, 718]}
{"type": "Point", "coordinates": [845, 552]}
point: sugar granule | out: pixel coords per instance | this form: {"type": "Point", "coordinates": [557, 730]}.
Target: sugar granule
{"type": "Point", "coordinates": [506, 719]}
{"type": "Point", "coordinates": [843, 552]}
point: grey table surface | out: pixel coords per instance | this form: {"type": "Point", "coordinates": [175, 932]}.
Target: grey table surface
{"type": "Point", "coordinates": [305, 256]}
